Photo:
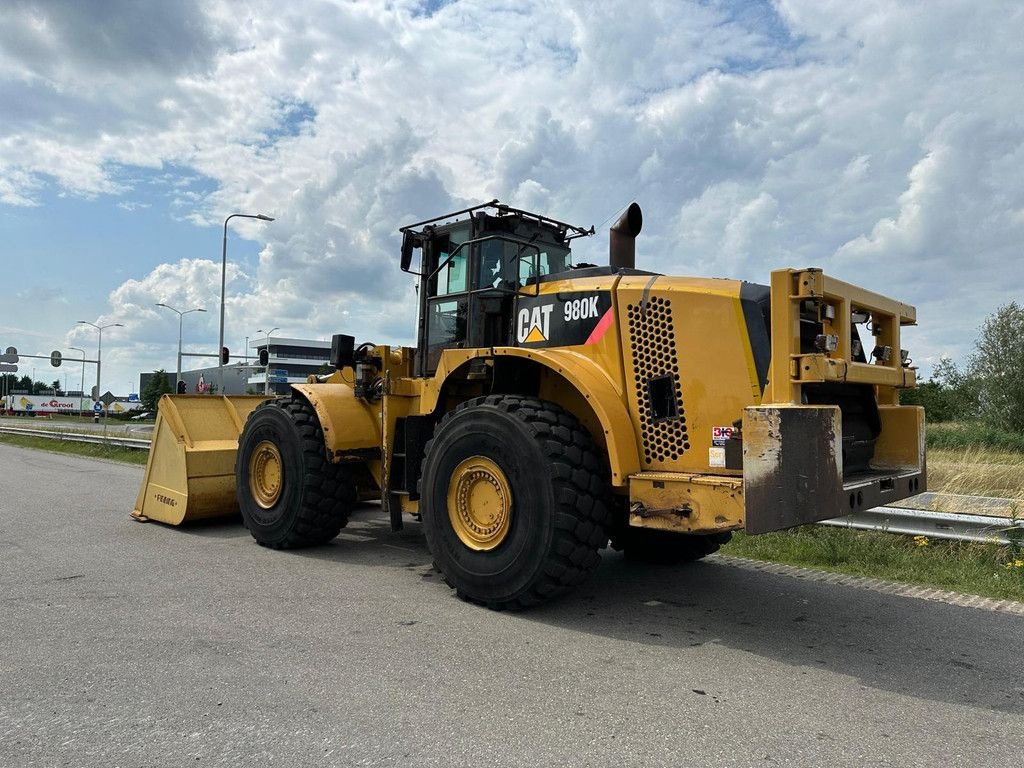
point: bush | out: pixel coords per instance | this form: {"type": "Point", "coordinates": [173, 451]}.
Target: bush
{"type": "Point", "coordinates": [973, 434]}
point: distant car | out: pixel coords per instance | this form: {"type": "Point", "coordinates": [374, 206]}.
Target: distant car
{"type": "Point", "coordinates": [143, 416]}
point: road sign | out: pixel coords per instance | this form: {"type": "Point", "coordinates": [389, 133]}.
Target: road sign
{"type": "Point", "coordinates": [97, 407]}
{"type": "Point", "coordinates": [278, 379]}
{"type": "Point", "coordinates": [8, 368]}
{"type": "Point", "coordinates": [278, 372]}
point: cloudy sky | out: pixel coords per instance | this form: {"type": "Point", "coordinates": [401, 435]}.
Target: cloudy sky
{"type": "Point", "coordinates": [883, 142]}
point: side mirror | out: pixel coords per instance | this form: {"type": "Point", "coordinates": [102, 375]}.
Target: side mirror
{"type": "Point", "coordinates": [409, 243]}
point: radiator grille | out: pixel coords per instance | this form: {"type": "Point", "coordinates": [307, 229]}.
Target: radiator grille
{"type": "Point", "coordinates": [653, 345]}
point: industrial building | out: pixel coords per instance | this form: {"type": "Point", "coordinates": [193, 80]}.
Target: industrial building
{"type": "Point", "coordinates": [290, 361]}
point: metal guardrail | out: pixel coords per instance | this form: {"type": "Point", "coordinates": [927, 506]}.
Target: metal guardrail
{"type": "Point", "coordinates": [935, 525]}
{"type": "Point", "coordinates": [98, 438]}
{"type": "Point", "coordinates": [987, 529]}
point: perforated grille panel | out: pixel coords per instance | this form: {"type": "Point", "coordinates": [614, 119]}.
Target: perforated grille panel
{"type": "Point", "coordinates": [653, 344]}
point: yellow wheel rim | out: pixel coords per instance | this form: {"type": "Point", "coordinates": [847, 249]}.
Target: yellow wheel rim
{"type": "Point", "coordinates": [479, 503]}
{"type": "Point", "coordinates": [266, 474]}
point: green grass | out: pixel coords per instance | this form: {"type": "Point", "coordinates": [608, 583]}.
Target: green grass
{"type": "Point", "coordinates": [90, 450]}
{"type": "Point", "coordinates": [977, 569]}
{"type": "Point", "coordinates": [971, 434]}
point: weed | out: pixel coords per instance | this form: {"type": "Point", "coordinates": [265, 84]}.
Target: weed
{"type": "Point", "coordinates": [980, 569]}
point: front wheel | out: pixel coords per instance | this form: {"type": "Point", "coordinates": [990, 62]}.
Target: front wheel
{"type": "Point", "coordinates": [513, 497]}
{"type": "Point", "coordinates": [289, 494]}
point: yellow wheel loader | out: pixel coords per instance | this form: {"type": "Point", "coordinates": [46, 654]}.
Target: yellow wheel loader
{"type": "Point", "coordinates": [550, 406]}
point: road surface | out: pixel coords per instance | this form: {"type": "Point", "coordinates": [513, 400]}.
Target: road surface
{"type": "Point", "coordinates": [129, 644]}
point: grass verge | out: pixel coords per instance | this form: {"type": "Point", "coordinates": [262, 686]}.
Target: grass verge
{"type": "Point", "coordinates": [77, 449]}
{"type": "Point", "coordinates": [960, 461]}
{"type": "Point", "coordinates": [977, 569]}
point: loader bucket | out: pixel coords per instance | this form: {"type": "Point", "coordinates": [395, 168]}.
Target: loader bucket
{"type": "Point", "coordinates": [190, 474]}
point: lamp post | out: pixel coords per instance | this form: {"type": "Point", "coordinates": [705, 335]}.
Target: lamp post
{"type": "Point", "coordinates": [266, 371]}
{"type": "Point", "coordinates": [99, 349]}
{"type": "Point", "coordinates": [181, 317]}
{"type": "Point", "coordinates": [81, 387]}
{"type": "Point", "coordinates": [223, 281]}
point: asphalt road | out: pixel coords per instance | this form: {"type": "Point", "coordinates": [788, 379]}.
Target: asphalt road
{"type": "Point", "coordinates": [128, 644]}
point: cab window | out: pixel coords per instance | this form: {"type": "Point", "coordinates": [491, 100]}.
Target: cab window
{"type": "Point", "coordinates": [548, 261]}
{"type": "Point", "coordinates": [453, 275]}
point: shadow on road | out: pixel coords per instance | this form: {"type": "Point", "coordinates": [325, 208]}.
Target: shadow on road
{"type": "Point", "coordinates": [914, 647]}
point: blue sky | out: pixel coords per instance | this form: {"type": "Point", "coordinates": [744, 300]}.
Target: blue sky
{"type": "Point", "coordinates": [880, 141]}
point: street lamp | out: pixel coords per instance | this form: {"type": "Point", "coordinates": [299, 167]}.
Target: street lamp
{"type": "Point", "coordinates": [81, 387]}
{"type": "Point", "coordinates": [223, 281]}
{"type": "Point", "coordinates": [266, 371]}
{"type": "Point", "coordinates": [181, 316]}
{"type": "Point", "coordinates": [99, 348]}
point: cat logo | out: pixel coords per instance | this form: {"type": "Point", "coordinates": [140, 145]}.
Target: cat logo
{"type": "Point", "coordinates": [534, 324]}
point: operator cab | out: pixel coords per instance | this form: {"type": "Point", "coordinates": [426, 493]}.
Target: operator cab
{"type": "Point", "coordinates": [472, 266]}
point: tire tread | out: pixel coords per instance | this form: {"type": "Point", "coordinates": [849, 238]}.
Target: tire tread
{"type": "Point", "coordinates": [328, 493]}
{"type": "Point", "coordinates": [580, 492]}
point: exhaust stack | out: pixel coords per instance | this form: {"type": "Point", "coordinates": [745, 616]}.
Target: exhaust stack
{"type": "Point", "coordinates": [622, 238]}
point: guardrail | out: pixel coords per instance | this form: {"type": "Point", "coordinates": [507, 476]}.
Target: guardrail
{"type": "Point", "coordinates": [987, 529]}
{"type": "Point", "coordinates": [133, 443]}
{"type": "Point", "coordinates": [935, 525]}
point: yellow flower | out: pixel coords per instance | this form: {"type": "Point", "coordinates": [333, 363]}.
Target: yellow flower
{"type": "Point", "coordinates": [921, 541]}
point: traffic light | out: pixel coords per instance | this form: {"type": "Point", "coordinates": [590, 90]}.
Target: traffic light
{"type": "Point", "coordinates": [55, 358]}
{"type": "Point", "coordinates": [182, 387]}
{"type": "Point", "coordinates": [225, 355]}
{"type": "Point", "coordinates": [264, 357]}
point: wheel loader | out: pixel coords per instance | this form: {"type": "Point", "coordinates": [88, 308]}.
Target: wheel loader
{"type": "Point", "coordinates": [551, 407]}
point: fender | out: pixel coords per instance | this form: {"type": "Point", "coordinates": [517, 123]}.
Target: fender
{"type": "Point", "coordinates": [349, 423]}
{"type": "Point", "coordinates": [602, 395]}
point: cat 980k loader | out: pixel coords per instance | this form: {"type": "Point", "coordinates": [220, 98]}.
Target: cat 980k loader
{"type": "Point", "coordinates": [548, 407]}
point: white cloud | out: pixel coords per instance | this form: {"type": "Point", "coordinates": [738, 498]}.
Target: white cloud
{"type": "Point", "coordinates": [879, 141]}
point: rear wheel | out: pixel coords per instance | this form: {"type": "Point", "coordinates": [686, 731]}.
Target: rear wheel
{"type": "Point", "coordinates": [513, 499]}
{"type": "Point", "coordinates": [289, 494]}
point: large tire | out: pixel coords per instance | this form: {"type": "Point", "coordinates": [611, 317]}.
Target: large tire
{"type": "Point", "coordinates": [546, 538]}
{"type": "Point", "coordinates": [290, 495]}
{"type": "Point", "coordinates": [647, 545]}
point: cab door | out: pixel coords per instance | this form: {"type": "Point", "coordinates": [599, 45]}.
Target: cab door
{"type": "Point", "coordinates": [447, 306]}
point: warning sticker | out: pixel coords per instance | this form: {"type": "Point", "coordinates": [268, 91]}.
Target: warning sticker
{"type": "Point", "coordinates": [720, 434]}
{"type": "Point", "coordinates": [716, 457]}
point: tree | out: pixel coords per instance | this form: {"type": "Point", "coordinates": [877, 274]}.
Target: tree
{"type": "Point", "coordinates": [155, 388]}
{"type": "Point", "coordinates": [990, 387]}
{"type": "Point", "coordinates": [25, 383]}
{"type": "Point", "coordinates": [997, 367]}
{"type": "Point", "coordinates": [950, 395]}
